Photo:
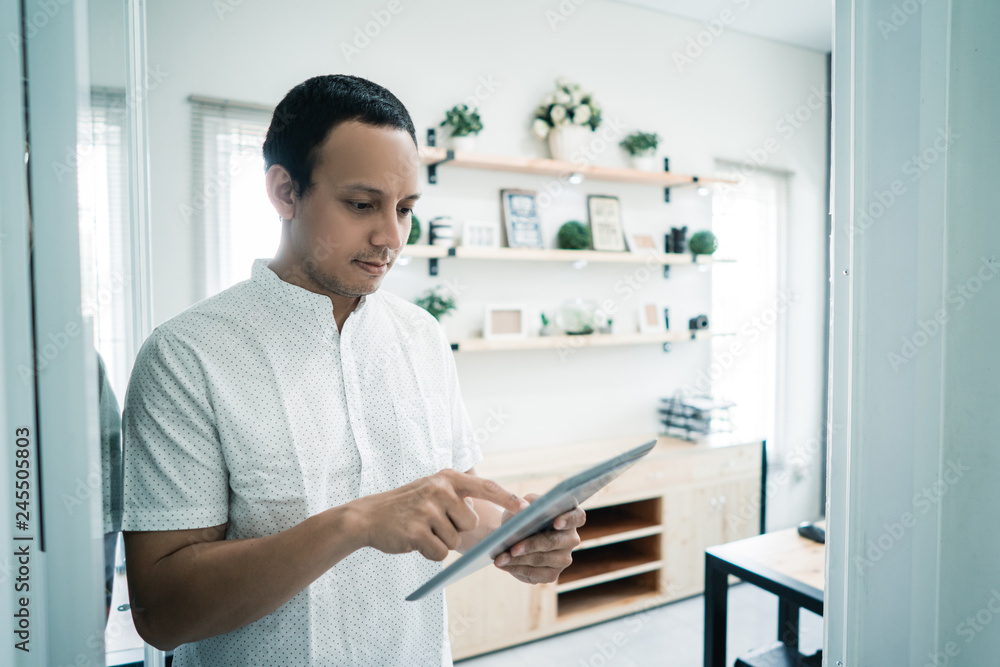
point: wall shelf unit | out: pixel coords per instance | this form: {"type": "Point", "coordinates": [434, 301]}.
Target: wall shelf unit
{"type": "Point", "coordinates": [575, 342]}
{"type": "Point", "coordinates": [434, 253]}
{"type": "Point", "coordinates": [434, 156]}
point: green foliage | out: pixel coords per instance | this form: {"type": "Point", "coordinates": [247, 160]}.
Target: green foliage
{"type": "Point", "coordinates": [640, 143]}
{"type": "Point", "coordinates": [574, 235]}
{"type": "Point", "coordinates": [414, 230]}
{"type": "Point", "coordinates": [436, 302]}
{"type": "Point", "coordinates": [462, 121]}
{"type": "Point", "coordinates": [703, 243]}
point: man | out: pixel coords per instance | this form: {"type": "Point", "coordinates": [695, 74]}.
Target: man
{"type": "Point", "coordinates": [298, 458]}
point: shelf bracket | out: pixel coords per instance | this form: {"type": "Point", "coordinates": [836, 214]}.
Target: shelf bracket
{"type": "Point", "coordinates": [666, 270]}
{"type": "Point", "coordinates": [454, 347]}
{"type": "Point", "coordinates": [666, 191]}
{"type": "Point", "coordinates": [432, 266]}
{"type": "Point", "coordinates": [666, 346]}
{"type": "Point", "coordinates": [432, 167]}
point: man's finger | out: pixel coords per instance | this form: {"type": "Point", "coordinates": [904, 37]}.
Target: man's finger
{"type": "Point", "coordinates": [554, 540]}
{"type": "Point", "coordinates": [486, 489]}
{"type": "Point", "coordinates": [572, 519]}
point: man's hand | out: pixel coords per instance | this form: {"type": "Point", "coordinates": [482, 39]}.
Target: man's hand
{"type": "Point", "coordinates": [427, 515]}
{"type": "Point", "coordinates": [540, 558]}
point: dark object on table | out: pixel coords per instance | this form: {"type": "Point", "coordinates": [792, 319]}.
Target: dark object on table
{"type": "Point", "coordinates": [678, 239]}
{"type": "Point", "coordinates": [698, 322]}
{"type": "Point", "coordinates": [811, 531]}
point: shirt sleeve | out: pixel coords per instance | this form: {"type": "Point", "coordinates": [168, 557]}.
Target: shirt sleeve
{"type": "Point", "coordinates": [465, 450]}
{"type": "Point", "coordinates": [175, 472]}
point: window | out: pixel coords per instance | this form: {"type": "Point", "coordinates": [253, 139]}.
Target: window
{"type": "Point", "coordinates": [749, 300]}
{"type": "Point", "coordinates": [238, 222]}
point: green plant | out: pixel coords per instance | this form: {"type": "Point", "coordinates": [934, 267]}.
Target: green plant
{"type": "Point", "coordinates": [703, 243]}
{"type": "Point", "coordinates": [414, 230]}
{"type": "Point", "coordinates": [640, 143]}
{"type": "Point", "coordinates": [462, 121]}
{"type": "Point", "coordinates": [569, 105]}
{"type": "Point", "coordinates": [436, 302]}
{"type": "Point", "coordinates": [574, 235]}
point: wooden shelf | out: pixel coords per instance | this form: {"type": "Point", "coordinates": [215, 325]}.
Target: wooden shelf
{"type": "Point", "coordinates": [607, 563]}
{"type": "Point", "coordinates": [623, 593]}
{"type": "Point", "coordinates": [558, 255]}
{"type": "Point", "coordinates": [619, 523]}
{"type": "Point", "coordinates": [564, 342]}
{"type": "Point", "coordinates": [431, 155]}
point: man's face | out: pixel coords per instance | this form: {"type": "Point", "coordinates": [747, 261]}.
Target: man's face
{"type": "Point", "coordinates": [351, 226]}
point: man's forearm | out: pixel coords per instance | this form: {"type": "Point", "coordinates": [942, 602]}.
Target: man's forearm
{"type": "Point", "coordinates": [211, 588]}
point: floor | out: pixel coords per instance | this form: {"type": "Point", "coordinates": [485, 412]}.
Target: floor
{"type": "Point", "coordinates": [670, 635]}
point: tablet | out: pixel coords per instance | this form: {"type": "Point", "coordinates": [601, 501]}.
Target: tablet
{"type": "Point", "coordinates": [535, 518]}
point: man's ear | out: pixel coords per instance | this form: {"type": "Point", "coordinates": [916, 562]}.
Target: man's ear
{"type": "Point", "coordinates": [281, 191]}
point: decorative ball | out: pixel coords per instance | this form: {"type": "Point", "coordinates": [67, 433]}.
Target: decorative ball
{"type": "Point", "coordinates": [574, 235]}
{"type": "Point", "coordinates": [414, 230]}
{"type": "Point", "coordinates": [703, 243]}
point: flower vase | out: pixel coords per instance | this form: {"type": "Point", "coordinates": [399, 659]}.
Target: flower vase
{"type": "Point", "coordinates": [567, 142]}
{"type": "Point", "coordinates": [645, 162]}
{"type": "Point", "coordinates": [465, 144]}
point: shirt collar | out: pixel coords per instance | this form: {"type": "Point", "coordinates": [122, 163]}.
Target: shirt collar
{"type": "Point", "coordinates": [262, 275]}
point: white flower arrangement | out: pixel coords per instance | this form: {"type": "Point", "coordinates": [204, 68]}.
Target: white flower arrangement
{"type": "Point", "coordinates": [568, 105]}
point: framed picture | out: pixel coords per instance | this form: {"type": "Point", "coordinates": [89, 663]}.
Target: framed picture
{"type": "Point", "coordinates": [606, 222]}
{"type": "Point", "coordinates": [641, 243]}
{"type": "Point", "coordinates": [505, 321]}
{"type": "Point", "coordinates": [521, 220]}
{"type": "Point", "coordinates": [652, 317]}
{"type": "Point", "coordinates": [481, 234]}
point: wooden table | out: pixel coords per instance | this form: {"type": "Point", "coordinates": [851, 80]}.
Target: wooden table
{"type": "Point", "coordinates": [782, 563]}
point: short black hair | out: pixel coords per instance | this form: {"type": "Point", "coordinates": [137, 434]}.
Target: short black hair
{"type": "Point", "coordinates": [311, 110]}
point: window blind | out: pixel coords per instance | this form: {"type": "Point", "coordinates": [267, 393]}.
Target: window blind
{"type": "Point", "coordinates": [228, 201]}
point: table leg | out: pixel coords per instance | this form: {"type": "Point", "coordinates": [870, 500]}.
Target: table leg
{"type": "Point", "coordinates": [788, 623]}
{"type": "Point", "coordinates": [716, 590]}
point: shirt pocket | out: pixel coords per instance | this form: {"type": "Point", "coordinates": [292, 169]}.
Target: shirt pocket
{"type": "Point", "coordinates": [425, 437]}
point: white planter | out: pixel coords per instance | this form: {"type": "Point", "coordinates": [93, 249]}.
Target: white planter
{"type": "Point", "coordinates": [465, 144]}
{"type": "Point", "coordinates": [567, 142]}
{"type": "Point", "coordinates": [647, 162]}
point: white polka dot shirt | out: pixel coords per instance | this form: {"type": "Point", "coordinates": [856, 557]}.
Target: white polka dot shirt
{"type": "Point", "coordinates": [250, 407]}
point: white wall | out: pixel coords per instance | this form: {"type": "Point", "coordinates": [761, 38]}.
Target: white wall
{"type": "Point", "coordinates": [728, 101]}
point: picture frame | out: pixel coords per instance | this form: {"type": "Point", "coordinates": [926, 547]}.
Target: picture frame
{"type": "Point", "coordinates": [505, 321]}
{"type": "Point", "coordinates": [521, 220]}
{"type": "Point", "coordinates": [481, 234]}
{"type": "Point", "coordinates": [641, 242]}
{"type": "Point", "coordinates": [652, 317]}
{"type": "Point", "coordinates": [605, 216]}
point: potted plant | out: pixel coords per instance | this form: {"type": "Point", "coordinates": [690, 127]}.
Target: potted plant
{"type": "Point", "coordinates": [703, 243]}
{"type": "Point", "coordinates": [641, 146]}
{"type": "Point", "coordinates": [464, 124]}
{"type": "Point", "coordinates": [573, 235]}
{"type": "Point", "coordinates": [437, 302]}
{"type": "Point", "coordinates": [567, 119]}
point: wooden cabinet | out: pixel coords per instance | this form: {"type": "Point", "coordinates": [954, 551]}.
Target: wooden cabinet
{"type": "Point", "coordinates": [643, 544]}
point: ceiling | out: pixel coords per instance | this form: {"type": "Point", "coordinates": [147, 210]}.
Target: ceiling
{"type": "Point", "coordinates": [805, 23]}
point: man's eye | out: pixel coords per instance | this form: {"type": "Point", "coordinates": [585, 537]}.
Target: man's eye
{"type": "Point", "coordinates": [406, 211]}
{"type": "Point", "coordinates": [360, 204]}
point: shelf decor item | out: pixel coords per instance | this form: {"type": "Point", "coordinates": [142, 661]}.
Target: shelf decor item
{"type": "Point", "coordinates": [652, 317]}
{"type": "Point", "coordinates": [505, 321]}
{"type": "Point", "coordinates": [437, 302]}
{"type": "Point", "coordinates": [464, 124]}
{"type": "Point", "coordinates": [703, 243]}
{"type": "Point", "coordinates": [414, 230]}
{"type": "Point", "coordinates": [691, 417]}
{"type": "Point", "coordinates": [567, 119]}
{"type": "Point", "coordinates": [480, 234]}
{"type": "Point", "coordinates": [577, 317]}
{"type": "Point", "coordinates": [641, 147]}
{"type": "Point", "coordinates": [521, 220]}
{"type": "Point", "coordinates": [573, 235]}
{"type": "Point", "coordinates": [641, 243]}
{"type": "Point", "coordinates": [441, 232]}
{"type": "Point", "coordinates": [678, 240]}
{"type": "Point", "coordinates": [606, 222]}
